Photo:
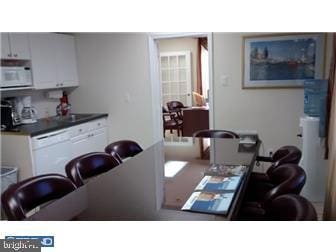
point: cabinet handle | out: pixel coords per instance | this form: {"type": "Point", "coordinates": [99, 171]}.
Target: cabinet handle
{"type": "Point", "coordinates": [98, 124]}
{"type": "Point", "coordinates": [9, 55]}
{"type": "Point", "coordinates": [61, 84]}
{"type": "Point", "coordinates": [57, 85]}
{"type": "Point", "coordinates": [15, 55]}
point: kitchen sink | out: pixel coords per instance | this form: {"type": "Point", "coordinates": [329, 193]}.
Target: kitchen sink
{"type": "Point", "coordinates": [72, 117]}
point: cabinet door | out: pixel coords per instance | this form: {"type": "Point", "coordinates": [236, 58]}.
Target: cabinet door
{"type": "Point", "coordinates": [98, 139]}
{"type": "Point", "coordinates": [43, 60]}
{"type": "Point", "coordinates": [66, 60]}
{"type": "Point", "coordinates": [19, 45]}
{"type": "Point", "coordinates": [5, 48]}
{"type": "Point", "coordinates": [80, 145]}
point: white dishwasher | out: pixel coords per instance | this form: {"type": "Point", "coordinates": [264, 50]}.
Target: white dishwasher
{"type": "Point", "coordinates": [51, 151]}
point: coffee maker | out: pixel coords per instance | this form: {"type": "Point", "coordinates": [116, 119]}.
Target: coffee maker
{"type": "Point", "coordinates": [10, 116]}
{"type": "Point", "coordinates": [28, 113]}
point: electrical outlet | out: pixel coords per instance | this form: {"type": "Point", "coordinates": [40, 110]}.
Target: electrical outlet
{"type": "Point", "coordinates": [270, 152]}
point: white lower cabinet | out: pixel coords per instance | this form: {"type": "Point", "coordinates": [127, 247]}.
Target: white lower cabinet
{"type": "Point", "coordinates": [53, 150]}
{"type": "Point", "coordinates": [50, 152]}
{"type": "Point", "coordinates": [92, 141]}
{"type": "Point", "coordinates": [88, 137]}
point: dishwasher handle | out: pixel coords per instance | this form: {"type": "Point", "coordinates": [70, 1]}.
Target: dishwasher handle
{"type": "Point", "coordinates": [51, 135]}
{"type": "Point", "coordinates": [50, 139]}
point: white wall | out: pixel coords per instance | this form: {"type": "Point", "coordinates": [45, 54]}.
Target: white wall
{"type": "Point", "coordinates": [274, 113]}
{"type": "Point", "coordinates": [113, 65]}
{"type": "Point", "coordinates": [183, 44]}
{"type": "Point", "coordinates": [114, 78]}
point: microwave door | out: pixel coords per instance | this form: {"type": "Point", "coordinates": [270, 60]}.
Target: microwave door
{"type": "Point", "coordinates": [15, 77]}
{"type": "Point", "coordinates": [12, 77]}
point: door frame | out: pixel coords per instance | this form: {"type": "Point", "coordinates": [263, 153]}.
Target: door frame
{"type": "Point", "coordinates": [154, 57]}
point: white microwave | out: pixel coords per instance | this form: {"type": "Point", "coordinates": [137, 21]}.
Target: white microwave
{"type": "Point", "coordinates": [15, 77]}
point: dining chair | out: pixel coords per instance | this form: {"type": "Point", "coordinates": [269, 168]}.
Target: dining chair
{"type": "Point", "coordinates": [20, 198]}
{"type": "Point", "coordinates": [176, 107]}
{"type": "Point", "coordinates": [171, 122]}
{"type": "Point", "coordinates": [123, 149]}
{"type": "Point", "coordinates": [215, 134]}
{"type": "Point", "coordinates": [89, 165]}
{"type": "Point", "coordinates": [284, 155]}
{"type": "Point", "coordinates": [284, 179]}
{"type": "Point", "coordinates": [291, 207]}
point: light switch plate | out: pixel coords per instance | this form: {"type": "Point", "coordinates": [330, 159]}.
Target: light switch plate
{"type": "Point", "coordinates": [127, 97]}
{"type": "Point", "coordinates": [224, 81]}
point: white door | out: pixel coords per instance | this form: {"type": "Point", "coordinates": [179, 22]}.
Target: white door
{"type": "Point", "coordinates": [19, 45]}
{"type": "Point", "coordinates": [66, 60]}
{"type": "Point", "coordinates": [175, 69]}
{"type": "Point", "coordinates": [5, 48]}
{"type": "Point", "coordinates": [43, 60]}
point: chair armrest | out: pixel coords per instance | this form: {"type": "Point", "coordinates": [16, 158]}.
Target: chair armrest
{"type": "Point", "coordinates": [264, 159]}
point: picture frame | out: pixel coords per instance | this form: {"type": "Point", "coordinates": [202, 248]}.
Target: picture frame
{"type": "Point", "coordinates": [282, 60]}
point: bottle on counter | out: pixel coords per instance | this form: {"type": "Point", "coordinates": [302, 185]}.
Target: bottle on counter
{"type": "Point", "coordinates": [63, 109]}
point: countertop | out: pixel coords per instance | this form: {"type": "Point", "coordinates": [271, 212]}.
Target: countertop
{"type": "Point", "coordinates": [45, 125]}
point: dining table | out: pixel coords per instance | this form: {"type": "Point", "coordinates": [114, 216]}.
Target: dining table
{"type": "Point", "coordinates": [155, 184]}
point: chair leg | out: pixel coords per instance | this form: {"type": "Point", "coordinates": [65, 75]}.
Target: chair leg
{"type": "Point", "coordinates": [178, 132]}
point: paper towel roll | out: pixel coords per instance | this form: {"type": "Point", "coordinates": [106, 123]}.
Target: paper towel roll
{"type": "Point", "coordinates": [55, 94]}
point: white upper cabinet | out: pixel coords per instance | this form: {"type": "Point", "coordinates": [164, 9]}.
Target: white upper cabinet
{"type": "Point", "coordinates": [43, 60]}
{"type": "Point", "coordinates": [66, 60]}
{"type": "Point", "coordinates": [15, 46]}
{"type": "Point", "coordinates": [53, 60]}
{"type": "Point", "coordinates": [5, 48]}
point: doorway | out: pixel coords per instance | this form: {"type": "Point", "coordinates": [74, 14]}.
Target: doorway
{"type": "Point", "coordinates": [161, 81]}
{"type": "Point", "coordinates": [181, 70]}
{"type": "Point", "coordinates": [157, 99]}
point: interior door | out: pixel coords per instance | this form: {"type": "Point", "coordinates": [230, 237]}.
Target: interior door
{"type": "Point", "coordinates": [175, 69]}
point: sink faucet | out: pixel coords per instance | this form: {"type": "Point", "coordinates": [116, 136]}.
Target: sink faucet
{"type": "Point", "coordinates": [59, 110]}
{"type": "Point", "coordinates": [63, 107]}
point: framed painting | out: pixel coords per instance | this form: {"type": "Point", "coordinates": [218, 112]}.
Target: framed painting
{"type": "Point", "coordinates": [282, 60]}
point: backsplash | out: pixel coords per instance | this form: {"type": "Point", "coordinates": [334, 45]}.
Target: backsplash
{"type": "Point", "coordinates": [44, 106]}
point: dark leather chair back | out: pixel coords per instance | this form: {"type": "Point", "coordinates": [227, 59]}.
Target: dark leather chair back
{"type": "Point", "coordinates": [173, 105]}
{"type": "Point", "coordinates": [215, 134]}
{"type": "Point", "coordinates": [291, 207]}
{"type": "Point", "coordinates": [176, 107]}
{"type": "Point", "coordinates": [123, 149]}
{"type": "Point", "coordinates": [285, 155]}
{"type": "Point", "coordinates": [288, 178]}
{"type": "Point", "coordinates": [24, 196]}
{"type": "Point", "coordinates": [89, 165]}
